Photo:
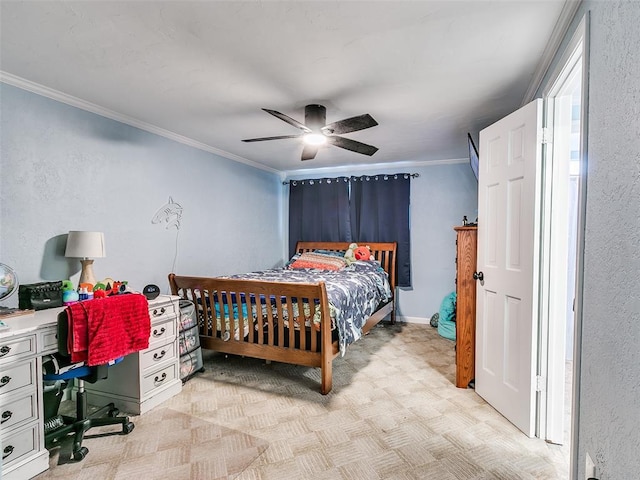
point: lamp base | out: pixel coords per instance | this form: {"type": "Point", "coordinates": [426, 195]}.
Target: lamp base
{"type": "Point", "coordinates": [87, 276]}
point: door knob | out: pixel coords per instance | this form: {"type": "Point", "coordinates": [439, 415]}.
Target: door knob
{"type": "Point", "coordinates": [478, 276]}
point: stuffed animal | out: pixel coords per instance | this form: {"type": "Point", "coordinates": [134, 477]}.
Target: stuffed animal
{"type": "Point", "coordinates": [362, 253]}
{"type": "Point", "coordinates": [354, 252]}
{"type": "Point", "coordinates": [349, 255]}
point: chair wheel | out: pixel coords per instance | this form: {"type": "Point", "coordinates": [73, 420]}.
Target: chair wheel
{"type": "Point", "coordinates": [127, 428]}
{"type": "Point", "coordinates": [80, 454]}
{"type": "Point", "coordinates": [114, 412]}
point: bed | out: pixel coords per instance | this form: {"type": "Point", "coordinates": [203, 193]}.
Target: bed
{"type": "Point", "coordinates": [281, 318]}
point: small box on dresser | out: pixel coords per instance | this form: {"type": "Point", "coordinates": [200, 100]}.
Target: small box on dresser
{"type": "Point", "coordinates": [145, 379]}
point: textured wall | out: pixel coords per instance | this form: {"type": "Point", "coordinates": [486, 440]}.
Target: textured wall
{"type": "Point", "coordinates": [66, 169]}
{"type": "Point", "coordinates": [610, 399]}
{"type": "Point", "coordinates": [440, 197]}
{"type": "Point", "coordinates": [609, 409]}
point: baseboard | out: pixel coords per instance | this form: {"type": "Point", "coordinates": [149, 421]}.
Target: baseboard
{"type": "Point", "coordinates": [420, 320]}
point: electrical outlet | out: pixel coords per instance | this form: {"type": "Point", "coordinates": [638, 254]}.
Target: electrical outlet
{"type": "Point", "coordinates": [589, 468]}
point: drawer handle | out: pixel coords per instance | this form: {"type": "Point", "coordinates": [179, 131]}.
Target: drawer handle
{"type": "Point", "coordinates": [6, 415]}
{"type": "Point", "coordinates": [161, 312]}
{"type": "Point", "coordinates": [4, 380]}
{"type": "Point", "coordinates": [157, 333]}
{"type": "Point", "coordinates": [8, 450]}
{"type": "Point", "coordinates": [4, 350]}
{"type": "Point", "coordinates": [158, 380]}
{"type": "Point", "coordinates": [158, 357]}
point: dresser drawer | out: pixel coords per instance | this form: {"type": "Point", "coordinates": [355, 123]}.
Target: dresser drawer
{"type": "Point", "coordinates": [162, 332]}
{"type": "Point", "coordinates": [13, 377]}
{"type": "Point", "coordinates": [18, 445]}
{"type": "Point", "coordinates": [158, 310]}
{"type": "Point", "coordinates": [18, 410]}
{"type": "Point", "coordinates": [159, 378]}
{"type": "Point", "coordinates": [12, 349]}
{"type": "Point", "coordinates": [157, 355]}
{"type": "Point", "coordinates": [49, 340]}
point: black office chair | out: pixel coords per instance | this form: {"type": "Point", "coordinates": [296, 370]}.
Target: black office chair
{"type": "Point", "coordinates": [58, 368]}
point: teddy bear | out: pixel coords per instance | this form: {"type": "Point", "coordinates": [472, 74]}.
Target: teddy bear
{"type": "Point", "coordinates": [354, 252]}
{"type": "Point", "coordinates": [349, 255]}
{"type": "Point", "coordinates": [362, 253]}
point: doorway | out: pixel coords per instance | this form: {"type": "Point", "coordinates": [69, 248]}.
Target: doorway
{"type": "Point", "coordinates": [563, 222]}
{"type": "Point", "coordinates": [531, 210]}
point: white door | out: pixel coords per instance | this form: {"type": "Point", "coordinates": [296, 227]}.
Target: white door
{"type": "Point", "coordinates": [508, 249]}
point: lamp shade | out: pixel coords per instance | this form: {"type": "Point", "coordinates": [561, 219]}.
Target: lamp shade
{"type": "Point", "coordinates": [85, 245]}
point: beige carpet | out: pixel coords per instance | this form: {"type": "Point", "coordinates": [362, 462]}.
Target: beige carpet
{"type": "Point", "coordinates": [164, 444]}
{"type": "Point", "coordinates": [394, 413]}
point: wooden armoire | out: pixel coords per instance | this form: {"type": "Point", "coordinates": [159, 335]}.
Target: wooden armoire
{"type": "Point", "coordinates": [466, 255]}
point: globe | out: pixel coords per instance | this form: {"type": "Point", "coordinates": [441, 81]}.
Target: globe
{"type": "Point", "coordinates": [8, 281]}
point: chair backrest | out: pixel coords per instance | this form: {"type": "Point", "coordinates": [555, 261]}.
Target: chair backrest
{"type": "Point", "coordinates": [101, 330]}
{"type": "Point", "coordinates": [60, 366]}
{"type": "Point", "coordinates": [63, 333]}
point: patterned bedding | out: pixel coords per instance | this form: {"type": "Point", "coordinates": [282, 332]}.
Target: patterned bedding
{"type": "Point", "coordinates": [354, 293]}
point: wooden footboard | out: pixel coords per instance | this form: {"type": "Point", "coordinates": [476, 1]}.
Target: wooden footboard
{"type": "Point", "coordinates": [254, 319]}
{"type": "Point", "coordinates": [279, 321]}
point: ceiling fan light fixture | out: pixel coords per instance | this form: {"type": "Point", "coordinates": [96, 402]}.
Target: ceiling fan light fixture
{"type": "Point", "coordinates": [315, 139]}
{"type": "Point", "coordinates": [316, 132]}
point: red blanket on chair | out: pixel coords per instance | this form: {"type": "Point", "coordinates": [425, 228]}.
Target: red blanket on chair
{"type": "Point", "coordinates": [104, 329]}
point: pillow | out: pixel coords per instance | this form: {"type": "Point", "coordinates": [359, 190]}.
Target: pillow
{"type": "Point", "coordinates": [292, 259]}
{"type": "Point", "coordinates": [319, 261]}
{"type": "Point", "coordinates": [333, 253]}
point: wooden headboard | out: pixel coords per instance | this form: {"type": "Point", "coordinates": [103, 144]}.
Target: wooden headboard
{"type": "Point", "coordinates": [384, 252]}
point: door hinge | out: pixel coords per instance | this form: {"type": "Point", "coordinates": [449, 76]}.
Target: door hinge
{"type": "Point", "coordinates": [540, 383]}
{"type": "Point", "coordinates": [547, 135]}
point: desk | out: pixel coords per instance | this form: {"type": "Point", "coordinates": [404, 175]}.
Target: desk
{"type": "Point", "coordinates": [22, 429]}
{"type": "Point", "coordinates": [21, 390]}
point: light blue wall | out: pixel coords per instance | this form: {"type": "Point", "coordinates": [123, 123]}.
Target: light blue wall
{"type": "Point", "coordinates": [440, 197]}
{"type": "Point", "coordinates": [63, 168]}
{"type": "Point", "coordinates": [609, 408]}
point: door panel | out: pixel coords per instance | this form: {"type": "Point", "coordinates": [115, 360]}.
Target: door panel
{"type": "Point", "coordinates": [508, 225]}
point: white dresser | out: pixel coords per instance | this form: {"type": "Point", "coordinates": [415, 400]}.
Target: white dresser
{"type": "Point", "coordinates": [145, 379]}
{"type": "Point", "coordinates": [21, 411]}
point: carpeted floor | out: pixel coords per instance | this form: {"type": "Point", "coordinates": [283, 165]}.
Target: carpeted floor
{"type": "Point", "coordinates": [394, 413]}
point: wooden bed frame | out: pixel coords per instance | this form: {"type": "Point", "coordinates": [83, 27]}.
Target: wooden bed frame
{"type": "Point", "coordinates": [312, 346]}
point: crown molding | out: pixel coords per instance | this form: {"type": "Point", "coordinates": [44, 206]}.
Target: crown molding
{"type": "Point", "coordinates": [372, 166]}
{"type": "Point", "coordinates": [557, 36]}
{"type": "Point", "coordinates": [104, 112]}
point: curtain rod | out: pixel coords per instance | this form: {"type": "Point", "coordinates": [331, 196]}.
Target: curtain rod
{"type": "Point", "coordinates": [412, 175]}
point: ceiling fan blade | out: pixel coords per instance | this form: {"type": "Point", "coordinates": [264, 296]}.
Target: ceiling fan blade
{"type": "Point", "coordinates": [280, 137]}
{"type": "Point", "coordinates": [309, 152]}
{"type": "Point", "coordinates": [288, 119]}
{"type": "Point", "coordinates": [348, 125]}
{"type": "Point", "coordinates": [352, 145]}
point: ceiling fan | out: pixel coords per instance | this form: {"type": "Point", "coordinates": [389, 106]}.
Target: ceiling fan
{"type": "Point", "coordinates": [315, 132]}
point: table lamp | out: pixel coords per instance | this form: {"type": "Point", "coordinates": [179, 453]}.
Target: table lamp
{"type": "Point", "coordinates": [87, 246]}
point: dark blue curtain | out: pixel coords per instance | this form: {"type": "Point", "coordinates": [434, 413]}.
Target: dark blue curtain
{"type": "Point", "coordinates": [319, 211]}
{"type": "Point", "coordinates": [379, 211]}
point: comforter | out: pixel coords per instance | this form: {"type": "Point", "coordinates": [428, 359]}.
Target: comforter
{"type": "Point", "coordinates": [354, 293]}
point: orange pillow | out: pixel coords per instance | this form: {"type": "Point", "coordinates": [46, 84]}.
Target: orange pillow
{"type": "Point", "coordinates": [319, 261]}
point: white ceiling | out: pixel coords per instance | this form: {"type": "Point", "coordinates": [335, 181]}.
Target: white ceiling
{"type": "Point", "coordinates": [427, 71]}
